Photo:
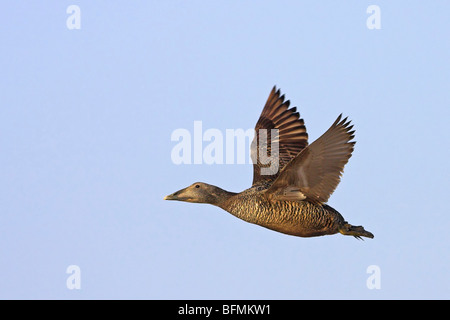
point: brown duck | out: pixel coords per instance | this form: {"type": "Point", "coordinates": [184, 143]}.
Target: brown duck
{"type": "Point", "coordinates": [292, 197]}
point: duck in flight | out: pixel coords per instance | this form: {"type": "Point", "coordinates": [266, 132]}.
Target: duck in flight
{"type": "Point", "coordinates": [291, 199]}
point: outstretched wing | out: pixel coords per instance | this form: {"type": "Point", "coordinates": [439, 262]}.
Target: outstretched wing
{"type": "Point", "coordinates": [290, 136]}
{"type": "Point", "coordinates": [315, 173]}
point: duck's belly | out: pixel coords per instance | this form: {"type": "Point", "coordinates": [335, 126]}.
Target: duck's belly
{"type": "Point", "coordinates": [301, 230]}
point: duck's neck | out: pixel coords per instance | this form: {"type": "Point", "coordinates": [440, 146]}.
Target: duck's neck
{"type": "Point", "coordinates": [220, 197]}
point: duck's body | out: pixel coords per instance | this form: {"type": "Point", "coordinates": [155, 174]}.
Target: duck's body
{"type": "Point", "coordinates": [292, 199]}
{"type": "Point", "coordinates": [297, 218]}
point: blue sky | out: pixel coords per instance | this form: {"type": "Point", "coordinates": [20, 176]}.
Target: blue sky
{"type": "Point", "coordinates": [86, 118]}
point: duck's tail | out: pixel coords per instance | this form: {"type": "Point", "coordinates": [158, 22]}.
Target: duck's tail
{"type": "Point", "coordinates": [356, 231]}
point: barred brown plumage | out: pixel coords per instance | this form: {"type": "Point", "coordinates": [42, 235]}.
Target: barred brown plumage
{"type": "Point", "coordinates": [292, 199]}
{"type": "Point", "coordinates": [300, 218]}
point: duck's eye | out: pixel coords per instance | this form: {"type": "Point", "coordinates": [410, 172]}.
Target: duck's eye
{"type": "Point", "coordinates": [197, 186]}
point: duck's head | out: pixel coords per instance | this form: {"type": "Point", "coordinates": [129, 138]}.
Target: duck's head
{"type": "Point", "coordinates": [200, 192]}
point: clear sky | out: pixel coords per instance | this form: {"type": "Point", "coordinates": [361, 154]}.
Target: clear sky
{"type": "Point", "coordinates": [86, 117]}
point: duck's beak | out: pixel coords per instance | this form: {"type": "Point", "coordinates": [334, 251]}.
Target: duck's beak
{"type": "Point", "coordinates": [171, 197]}
{"type": "Point", "coordinates": [176, 196]}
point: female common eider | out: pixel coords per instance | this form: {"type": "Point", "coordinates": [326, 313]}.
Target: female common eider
{"type": "Point", "coordinates": [291, 199]}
